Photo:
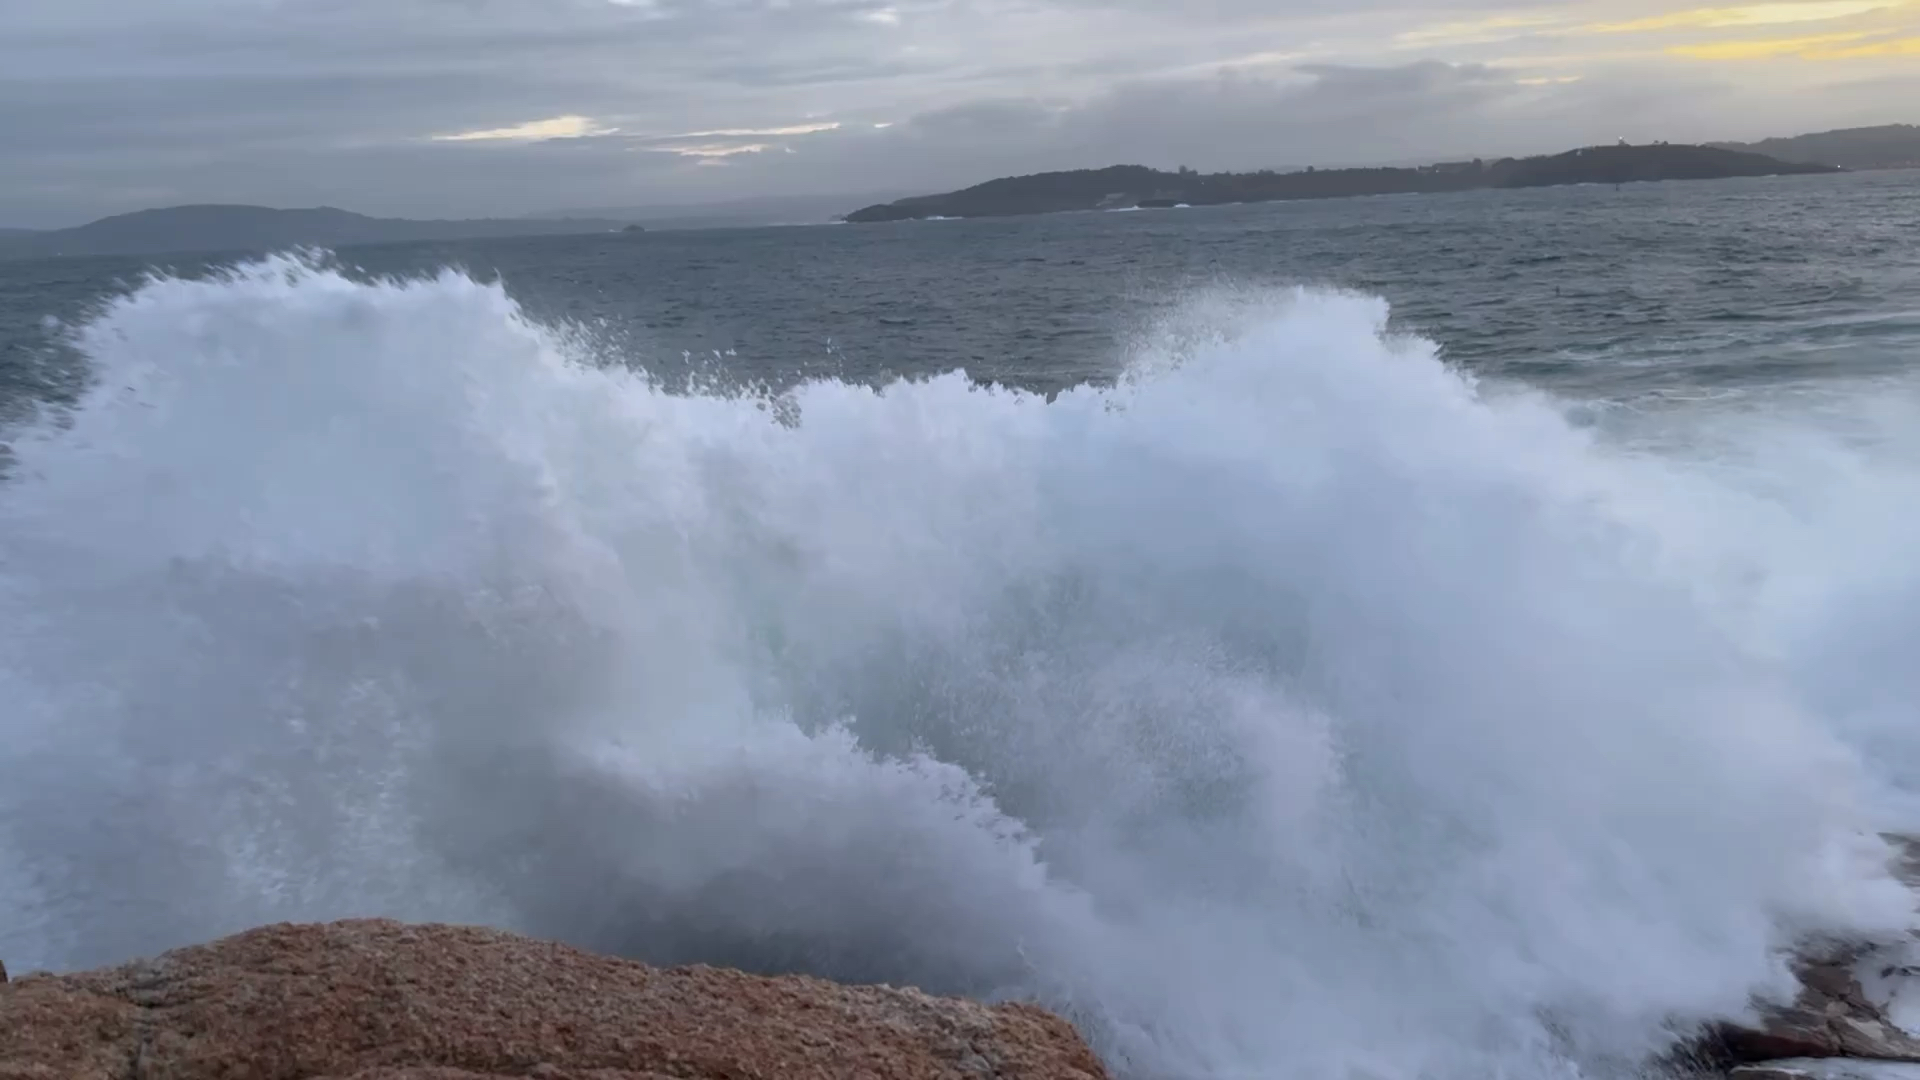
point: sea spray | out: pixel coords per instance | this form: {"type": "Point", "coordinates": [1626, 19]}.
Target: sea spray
{"type": "Point", "coordinates": [1293, 708]}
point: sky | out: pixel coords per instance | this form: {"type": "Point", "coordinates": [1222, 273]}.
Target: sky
{"type": "Point", "coordinates": [457, 108]}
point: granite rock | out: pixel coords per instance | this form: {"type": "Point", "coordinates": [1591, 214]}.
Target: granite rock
{"type": "Point", "coordinates": [382, 1000]}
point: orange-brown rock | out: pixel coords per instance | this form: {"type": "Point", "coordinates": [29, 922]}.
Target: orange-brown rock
{"type": "Point", "coordinates": [381, 1000]}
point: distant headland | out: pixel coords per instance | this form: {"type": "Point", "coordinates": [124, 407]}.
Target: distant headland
{"type": "Point", "coordinates": [213, 228]}
{"type": "Point", "coordinates": [181, 230]}
{"type": "Point", "coordinates": [1888, 146]}
{"type": "Point", "coordinates": [1126, 186]}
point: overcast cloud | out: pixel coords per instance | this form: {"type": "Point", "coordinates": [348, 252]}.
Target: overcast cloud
{"type": "Point", "coordinates": [505, 107]}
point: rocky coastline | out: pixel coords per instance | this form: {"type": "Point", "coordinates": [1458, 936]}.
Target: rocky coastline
{"type": "Point", "coordinates": [375, 999]}
{"type": "Point", "coordinates": [382, 1000]}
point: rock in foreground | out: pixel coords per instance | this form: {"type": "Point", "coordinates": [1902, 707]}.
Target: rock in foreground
{"type": "Point", "coordinates": [1856, 1001]}
{"type": "Point", "coordinates": [1828, 1069]}
{"type": "Point", "coordinates": [381, 1000]}
{"type": "Point", "coordinates": [1834, 1016]}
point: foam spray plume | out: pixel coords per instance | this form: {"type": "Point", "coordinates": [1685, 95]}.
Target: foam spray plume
{"type": "Point", "coordinates": [1290, 709]}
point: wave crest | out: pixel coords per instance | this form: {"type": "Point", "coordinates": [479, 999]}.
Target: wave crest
{"type": "Point", "coordinates": [1293, 708]}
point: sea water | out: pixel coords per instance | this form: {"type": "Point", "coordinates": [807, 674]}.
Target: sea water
{"type": "Point", "coordinates": [1292, 702]}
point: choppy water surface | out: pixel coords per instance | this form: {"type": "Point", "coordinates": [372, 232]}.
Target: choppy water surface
{"type": "Point", "coordinates": [1588, 289]}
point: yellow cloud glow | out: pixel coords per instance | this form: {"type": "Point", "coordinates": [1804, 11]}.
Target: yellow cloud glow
{"type": "Point", "coordinates": [1750, 15]}
{"type": "Point", "coordinates": [1907, 46]}
{"type": "Point", "coordinates": [559, 127]}
{"type": "Point", "coordinates": [1766, 49]}
{"type": "Point", "coordinates": [750, 133]}
{"type": "Point", "coordinates": [712, 150]}
{"type": "Point", "coordinates": [714, 145]}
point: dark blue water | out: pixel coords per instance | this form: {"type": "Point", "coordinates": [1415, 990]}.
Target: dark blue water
{"type": "Point", "coordinates": [1645, 288]}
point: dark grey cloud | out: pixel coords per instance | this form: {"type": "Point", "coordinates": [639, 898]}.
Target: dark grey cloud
{"type": "Point", "coordinates": [108, 105]}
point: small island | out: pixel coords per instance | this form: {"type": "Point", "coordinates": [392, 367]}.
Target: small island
{"type": "Point", "coordinates": [1120, 187]}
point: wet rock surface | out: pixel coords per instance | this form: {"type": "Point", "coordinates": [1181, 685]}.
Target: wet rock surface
{"type": "Point", "coordinates": [1828, 1069]}
{"type": "Point", "coordinates": [1857, 1014]}
{"type": "Point", "coordinates": [1834, 1016]}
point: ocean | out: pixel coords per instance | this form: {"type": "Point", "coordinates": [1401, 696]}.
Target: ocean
{"type": "Point", "coordinates": [1425, 638]}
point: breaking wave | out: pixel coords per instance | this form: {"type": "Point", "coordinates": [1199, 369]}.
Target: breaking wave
{"type": "Point", "coordinates": [1294, 708]}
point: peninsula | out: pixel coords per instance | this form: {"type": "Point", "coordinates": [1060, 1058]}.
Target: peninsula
{"type": "Point", "coordinates": [218, 228]}
{"type": "Point", "coordinates": [1120, 187]}
{"type": "Point", "coordinates": [1889, 146]}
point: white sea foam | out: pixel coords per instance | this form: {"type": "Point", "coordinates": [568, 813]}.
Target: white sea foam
{"type": "Point", "coordinates": [1293, 709]}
